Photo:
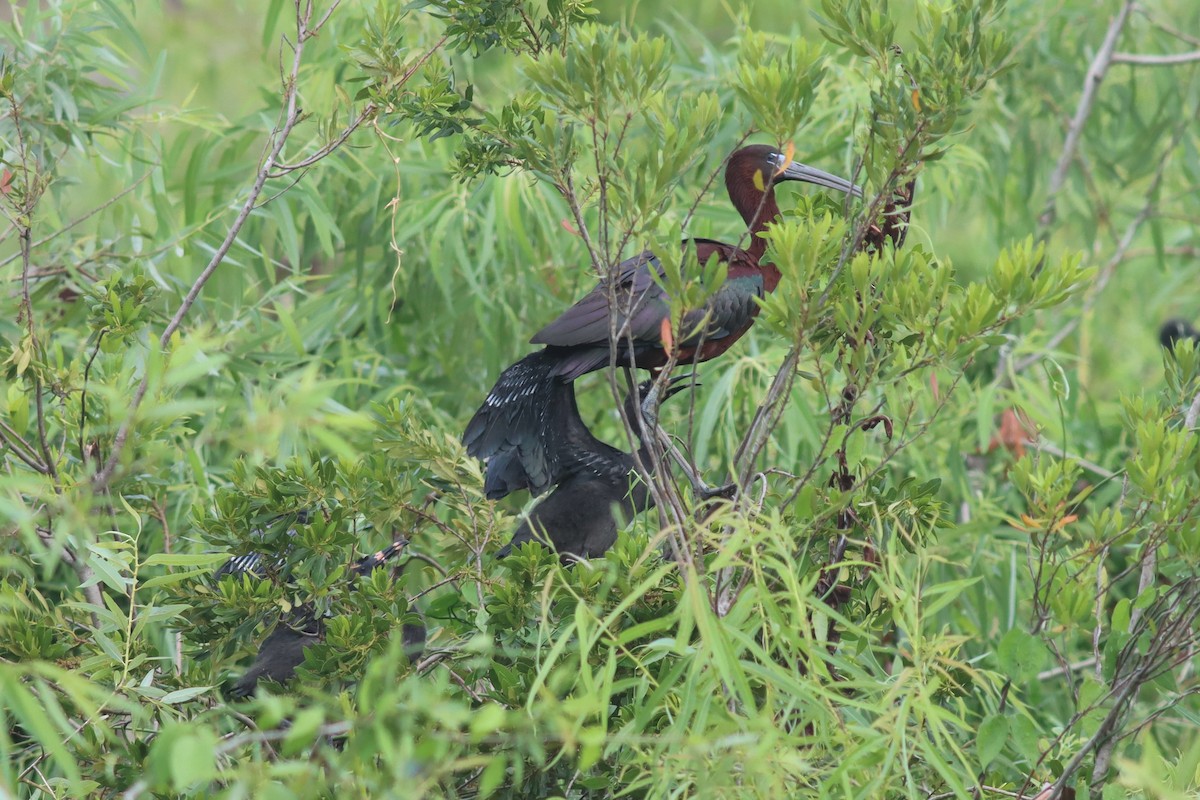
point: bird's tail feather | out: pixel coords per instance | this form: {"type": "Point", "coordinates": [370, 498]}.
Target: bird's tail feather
{"type": "Point", "coordinates": [506, 431]}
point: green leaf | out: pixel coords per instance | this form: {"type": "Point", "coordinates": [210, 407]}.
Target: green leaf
{"type": "Point", "coordinates": [184, 559]}
{"type": "Point", "coordinates": [1025, 736]}
{"type": "Point", "coordinates": [193, 758]}
{"type": "Point", "coordinates": [303, 731]}
{"type": "Point", "coordinates": [486, 720]}
{"type": "Point", "coordinates": [1021, 655]}
{"type": "Point", "coordinates": [1120, 616]}
{"type": "Point", "coordinates": [989, 742]}
{"type": "Point", "coordinates": [493, 775]}
{"type": "Point", "coordinates": [182, 756]}
{"type": "Point", "coordinates": [183, 695]}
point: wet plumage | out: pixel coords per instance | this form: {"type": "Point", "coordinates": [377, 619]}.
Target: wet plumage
{"type": "Point", "coordinates": [581, 516]}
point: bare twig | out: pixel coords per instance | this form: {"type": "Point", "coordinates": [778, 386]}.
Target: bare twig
{"type": "Point", "coordinates": [275, 145]}
{"type": "Point", "coordinates": [83, 396]}
{"type": "Point", "coordinates": [1057, 452]}
{"type": "Point", "coordinates": [1087, 99]}
{"type": "Point", "coordinates": [1193, 413]}
{"type": "Point", "coordinates": [80, 219]}
{"type": "Point", "coordinates": [1110, 267]}
{"type": "Point", "coordinates": [1046, 675]}
{"type": "Point", "coordinates": [1165, 28]}
{"type": "Point", "coordinates": [1174, 59]}
{"type": "Point", "coordinates": [368, 112]}
{"type": "Point", "coordinates": [454, 676]}
{"type": "Point", "coordinates": [233, 742]}
{"type": "Point", "coordinates": [22, 449]}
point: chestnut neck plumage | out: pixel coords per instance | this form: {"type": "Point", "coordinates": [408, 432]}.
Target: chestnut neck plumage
{"type": "Point", "coordinates": [758, 208]}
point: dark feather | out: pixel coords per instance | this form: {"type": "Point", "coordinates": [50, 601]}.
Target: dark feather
{"type": "Point", "coordinates": [283, 650]}
{"type": "Point", "coordinates": [580, 517]}
{"type": "Point", "coordinates": [1175, 330]}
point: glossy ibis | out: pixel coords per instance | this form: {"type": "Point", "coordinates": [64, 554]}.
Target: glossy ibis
{"type": "Point", "coordinates": [579, 518]}
{"type": "Point", "coordinates": [283, 649]}
{"type": "Point", "coordinates": [514, 428]}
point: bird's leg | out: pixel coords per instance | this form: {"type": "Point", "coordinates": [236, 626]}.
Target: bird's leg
{"type": "Point", "coordinates": [650, 419]}
{"type": "Point", "coordinates": [699, 487]}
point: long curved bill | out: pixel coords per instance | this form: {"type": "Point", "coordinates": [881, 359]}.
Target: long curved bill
{"type": "Point", "coordinates": [802, 172]}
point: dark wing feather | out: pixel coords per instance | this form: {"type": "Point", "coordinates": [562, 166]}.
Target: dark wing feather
{"type": "Point", "coordinates": [586, 322]}
{"type": "Point", "coordinates": [729, 310]}
{"type": "Point", "coordinates": [644, 303]}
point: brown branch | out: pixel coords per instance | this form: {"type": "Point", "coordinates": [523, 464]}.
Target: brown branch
{"type": "Point", "coordinates": [284, 169]}
{"type": "Point", "coordinates": [1087, 99]}
{"type": "Point", "coordinates": [25, 236]}
{"type": "Point", "coordinates": [275, 143]}
{"type": "Point", "coordinates": [21, 448]}
{"type": "Point", "coordinates": [1110, 267]}
{"type": "Point", "coordinates": [83, 396]}
{"type": "Point", "coordinates": [80, 219]}
{"type": "Point", "coordinates": [315, 29]}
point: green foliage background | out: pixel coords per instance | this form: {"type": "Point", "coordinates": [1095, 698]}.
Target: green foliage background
{"type": "Point", "coordinates": [1012, 612]}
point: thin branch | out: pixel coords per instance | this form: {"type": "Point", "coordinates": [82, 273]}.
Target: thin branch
{"type": "Point", "coordinates": [1165, 28]}
{"type": "Point", "coordinates": [1193, 413]}
{"type": "Point", "coordinates": [284, 169]}
{"type": "Point", "coordinates": [1046, 675]}
{"type": "Point", "coordinates": [276, 141]}
{"type": "Point", "coordinates": [367, 113]}
{"type": "Point", "coordinates": [315, 29]}
{"type": "Point", "coordinates": [80, 219]}
{"type": "Point", "coordinates": [1087, 99]}
{"type": "Point", "coordinates": [1171, 60]}
{"type": "Point", "coordinates": [83, 396]}
{"type": "Point", "coordinates": [21, 448]}
{"type": "Point", "coordinates": [232, 742]}
{"type": "Point", "coordinates": [1057, 452]}
{"type": "Point", "coordinates": [1110, 267]}
{"type": "Point", "coordinates": [454, 676]}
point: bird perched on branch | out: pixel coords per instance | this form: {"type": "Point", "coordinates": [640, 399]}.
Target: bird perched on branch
{"type": "Point", "coordinates": [514, 430]}
{"type": "Point", "coordinates": [283, 649]}
{"type": "Point", "coordinates": [579, 518]}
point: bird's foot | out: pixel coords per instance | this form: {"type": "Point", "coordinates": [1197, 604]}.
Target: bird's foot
{"type": "Point", "coordinates": [706, 492]}
{"type": "Point", "coordinates": [659, 391]}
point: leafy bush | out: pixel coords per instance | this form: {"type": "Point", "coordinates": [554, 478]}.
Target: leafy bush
{"type": "Point", "coordinates": [255, 297]}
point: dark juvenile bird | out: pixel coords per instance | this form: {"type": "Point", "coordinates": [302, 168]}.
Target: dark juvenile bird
{"type": "Point", "coordinates": [1174, 330]}
{"type": "Point", "coordinates": [283, 650]}
{"type": "Point", "coordinates": [579, 518]}
{"type": "Point", "coordinates": [514, 429]}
